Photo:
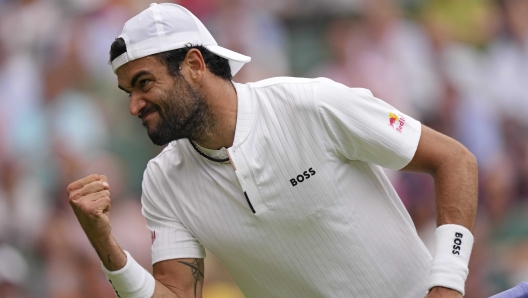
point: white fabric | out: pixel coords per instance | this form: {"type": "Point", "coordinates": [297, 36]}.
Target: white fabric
{"type": "Point", "coordinates": [167, 26]}
{"type": "Point", "coordinates": [453, 244]}
{"type": "Point", "coordinates": [341, 232]}
{"type": "Point", "coordinates": [131, 281]}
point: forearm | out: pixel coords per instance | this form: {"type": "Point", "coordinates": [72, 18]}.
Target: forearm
{"type": "Point", "coordinates": [162, 291]}
{"type": "Point", "coordinates": [110, 253]}
{"type": "Point", "coordinates": [456, 187]}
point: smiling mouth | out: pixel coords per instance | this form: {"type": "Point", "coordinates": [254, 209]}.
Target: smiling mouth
{"type": "Point", "coordinates": [143, 116]}
{"type": "Point", "coordinates": [146, 116]}
{"type": "Point", "coordinates": [145, 112]}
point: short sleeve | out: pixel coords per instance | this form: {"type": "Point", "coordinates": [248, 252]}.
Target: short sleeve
{"type": "Point", "coordinates": [170, 238]}
{"type": "Point", "coordinates": [363, 127]}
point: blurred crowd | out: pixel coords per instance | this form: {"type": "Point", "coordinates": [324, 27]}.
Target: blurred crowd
{"type": "Point", "coordinates": [460, 67]}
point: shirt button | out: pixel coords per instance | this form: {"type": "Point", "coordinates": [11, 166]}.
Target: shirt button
{"type": "Point", "coordinates": [245, 177]}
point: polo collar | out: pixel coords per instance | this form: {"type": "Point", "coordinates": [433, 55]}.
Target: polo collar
{"type": "Point", "coordinates": [245, 116]}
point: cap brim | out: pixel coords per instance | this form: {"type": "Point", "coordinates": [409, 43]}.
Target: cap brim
{"type": "Point", "coordinates": [119, 61]}
{"type": "Point", "coordinates": [236, 60]}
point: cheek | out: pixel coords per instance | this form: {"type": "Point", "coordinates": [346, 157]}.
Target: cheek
{"type": "Point", "coordinates": [166, 104]}
{"type": "Point", "coordinates": [156, 97]}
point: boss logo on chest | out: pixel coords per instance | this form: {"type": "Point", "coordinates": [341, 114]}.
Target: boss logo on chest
{"type": "Point", "coordinates": [301, 178]}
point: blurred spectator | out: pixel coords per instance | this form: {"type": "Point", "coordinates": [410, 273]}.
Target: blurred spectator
{"type": "Point", "coordinates": [14, 271]}
{"type": "Point", "coordinates": [218, 283]}
{"type": "Point", "coordinates": [23, 40]}
{"type": "Point", "coordinates": [24, 205]}
{"type": "Point", "coordinates": [388, 55]}
{"type": "Point", "coordinates": [97, 30]}
{"type": "Point", "coordinates": [458, 29]}
{"type": "Point", "coordinates": [256, 33]}
{"type": "Point", "coordinates": [509, 60]}
{"type": "Point", "coordinates": [507, 78]}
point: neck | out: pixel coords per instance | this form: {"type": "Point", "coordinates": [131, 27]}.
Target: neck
{"type": "Point", "coordinates": [222, 99]}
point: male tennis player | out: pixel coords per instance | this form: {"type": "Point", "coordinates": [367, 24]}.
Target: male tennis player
{"type": "Point", "coordinates": [280, 179]}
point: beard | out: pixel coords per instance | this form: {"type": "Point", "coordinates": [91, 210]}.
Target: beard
{"type": "Point", "coordinates": [183, 113]}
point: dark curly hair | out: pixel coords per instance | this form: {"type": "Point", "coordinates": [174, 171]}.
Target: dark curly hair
{"type": "Point", "coordinates": [172, 59]}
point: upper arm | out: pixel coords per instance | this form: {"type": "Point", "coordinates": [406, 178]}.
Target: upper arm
{"type": "Point", "coordinates": [455, 172]}
{"type": "Point", "coordinates": [184, 277]}
{"type": "Point", "coordinates": [434, 149]}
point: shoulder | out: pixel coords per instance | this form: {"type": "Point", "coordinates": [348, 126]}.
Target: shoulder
{"type": "Point", "coordinates": [171, 155]}
{"type": "Point", "coordinates": [320, 86]}
{"type": "Point", "coordinates": [328, 87]}
{"type": "Point", "coordinates": [283, 81]}
{"type": "Point", "coordinates": [156, 184]}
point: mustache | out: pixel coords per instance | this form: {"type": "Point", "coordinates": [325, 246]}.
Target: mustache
{"type": "Point", "coordinates": [147, 110]}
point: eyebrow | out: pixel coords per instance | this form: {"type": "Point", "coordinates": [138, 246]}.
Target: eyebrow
{"type": "Point", "coordinates": [135, 79]}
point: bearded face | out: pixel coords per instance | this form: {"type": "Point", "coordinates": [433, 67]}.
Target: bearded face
{"type": "Point", "coordinates": [182, 113]}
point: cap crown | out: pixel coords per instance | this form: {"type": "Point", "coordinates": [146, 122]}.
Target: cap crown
{"type": "Point", "coordinates": [164, 27]}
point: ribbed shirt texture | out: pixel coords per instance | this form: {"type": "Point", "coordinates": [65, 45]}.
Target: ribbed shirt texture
{"type": "Point", "coordinates": [303, 208]}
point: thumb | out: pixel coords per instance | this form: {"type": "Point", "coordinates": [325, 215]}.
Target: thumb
{"type": "Point", "coordinates": [104, 179]}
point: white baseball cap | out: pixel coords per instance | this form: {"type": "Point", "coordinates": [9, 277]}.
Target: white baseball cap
{"type": "Point", "coordinates": [164, 27]}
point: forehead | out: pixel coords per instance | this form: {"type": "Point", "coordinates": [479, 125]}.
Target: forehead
{"type": "Point", "coordinates": [150, 64]}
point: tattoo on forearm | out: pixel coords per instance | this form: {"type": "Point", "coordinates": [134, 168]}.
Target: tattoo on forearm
{"type": "Point", "coordinates": [196, 273]}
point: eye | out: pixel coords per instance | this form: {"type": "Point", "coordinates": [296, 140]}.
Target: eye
{"type": "Point", "coordinates": [143, 83]}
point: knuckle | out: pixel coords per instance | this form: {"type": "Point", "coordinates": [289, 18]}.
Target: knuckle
{"type": "Point", "coordinates": [82, 192]}
{"type": "Point", "coordinates": [91, 187]}
{"type": "Point", "coordinates": [100, 194]}
{"type": "Point", "coordinates": [74, 196]}
{"type": "Point", "coordinates": [94, 186]}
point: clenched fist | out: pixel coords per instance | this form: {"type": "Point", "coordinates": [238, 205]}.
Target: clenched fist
{"type": "Point", "coordinates": [90, 200]}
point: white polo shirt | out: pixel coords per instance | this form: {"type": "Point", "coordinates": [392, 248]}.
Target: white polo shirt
{"type": "Point", "coordinates": [302, 209]}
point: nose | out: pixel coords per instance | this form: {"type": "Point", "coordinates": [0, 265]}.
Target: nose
{"type": "Point", "coordinates": [136, 104]}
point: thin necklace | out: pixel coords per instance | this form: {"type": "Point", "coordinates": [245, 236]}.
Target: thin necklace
{"type": "Point", "coordinates": [220, 160]}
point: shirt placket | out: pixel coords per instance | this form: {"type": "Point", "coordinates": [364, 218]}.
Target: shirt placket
{"type": "Point", "coordinates": [243, 172]}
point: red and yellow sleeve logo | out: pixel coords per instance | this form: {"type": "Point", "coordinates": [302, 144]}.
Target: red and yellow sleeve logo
{"type": "Point", "coordinates": [397, 120]}
{"type": "Point", "coordinates": [393, 118]}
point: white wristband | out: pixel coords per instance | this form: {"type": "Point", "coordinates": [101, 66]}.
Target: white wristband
{"type": "Point", "coordinates": [131, 281]}
{"type": "Point", "coordinates": [451, 257]}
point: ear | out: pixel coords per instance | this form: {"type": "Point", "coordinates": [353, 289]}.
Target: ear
{"type": "Point", "coordinates": [194, 65]}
